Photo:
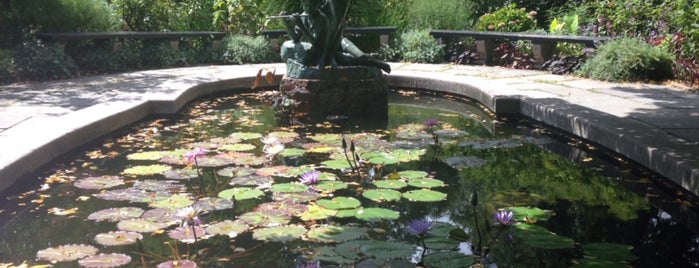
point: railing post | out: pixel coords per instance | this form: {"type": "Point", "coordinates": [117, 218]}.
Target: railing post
{"type": "Point", "coordinates": [543, 51]}
{"type": "Point", "coordinates": [485, 51]}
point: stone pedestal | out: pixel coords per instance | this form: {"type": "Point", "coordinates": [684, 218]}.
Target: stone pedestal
{"type": "Point", "coordinates": [352, 92]}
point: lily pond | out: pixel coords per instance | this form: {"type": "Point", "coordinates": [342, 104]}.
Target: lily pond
{"type": "Point", "coordinates": [440, 183]}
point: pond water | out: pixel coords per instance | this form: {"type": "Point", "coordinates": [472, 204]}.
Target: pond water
{"type": "Point", "coordinates": [224, 185]}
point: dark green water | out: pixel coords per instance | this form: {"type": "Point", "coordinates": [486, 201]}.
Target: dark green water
{"type": "Point", "coordinates": [574, 201]}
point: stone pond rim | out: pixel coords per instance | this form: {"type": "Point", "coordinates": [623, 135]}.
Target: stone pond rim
{"type": "Point", "coordinates": [30, 145]}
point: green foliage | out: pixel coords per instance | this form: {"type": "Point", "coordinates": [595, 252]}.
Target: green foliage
{"type": "Point", "coordinates": [241, 49]}
{"type": "Point", "coordinates": [567, 24]}
{"type": "Point", "coordinates": [6, 66]}
{"type": "Point", "coordinates": [686, 20]}
{"type": "Point", "coordinates": [239, 16]}
{"type": "Point", "coordinates": [38, 61]}
{"type": "Point", "coordinates": [172, 15]}
{"type": "Point", "coordinates": [628, 59]}
{"type": "Point", "coordinates": [430, 14]}
{"type": "Point", "coordinates": [508, 19]}
{"type": "Point", "coordinates": [420, 47]}
{"type": "Point", "coordinates": [64, 15]}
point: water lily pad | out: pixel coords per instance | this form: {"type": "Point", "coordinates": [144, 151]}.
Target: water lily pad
{"type": "Point", "coordinates": [252, 180]}
{"type": "Point", "coordinates": [450, 133]}
{"type": "Point", "coordinates": [412, 174]}
{"type": "Point", "coordinates": [438, 243]}
{"type": "Point", "coordinates": [284, 136]}
{"type": "Point", "coordinates": [146, 170]}
{"type": "Point", "coordinates": [241, 193]}
{"type": "Point", "coordinates": [327, 138]}
{"type": "Point", "coordinates": [228, 228]}
{"type": "Point", "coordinates": [156, 185]}
{"type": "Point", "coordinates": [291, 187]}
{"type": "Point", "coordinates": [154, 155]}
{"type": "Point", "coordinates": [329, 254]}
{"type": "Point", "coordinates": [459, 162]}
{"type": "Point", "coordinates": [599, 263]}
{"type": "Point", "coordinates": [386, 249]}
{"type": "Point", "coordinates": [539, 237]}
{"type": "Point", "coordinates": [264, 219]}
{"type": "Point", "coordinates": [250, 160]}
{"type": "Point", "coordinates": [335, 234]}
{"type": "Point", "coordinates": [236, 171]}
{"type": "Point", "coordinates": [339, 202]}
{"type": "Point", "coordinates": [380, 195]}
{"type": "Point", "coordinates": [187, 234]}
{"type": "Point", "coordinates": [292, 152]}
{"type": "Point", "coordinates": [174, 201]}
{"type": "Point", "coordinates": [522, 213]}
{"type": "Point", "coordinates": [407, 155]}
{"type": "Point", "coordinates": [377, 214]}
{"type": "Point", "coordinates": [98, 183]}
{"type": "Point", "coordinates": [66, 253]}
{"type": "Point", "coordinates": [130, 194]}
{"type": "Point", "coordinates": [331, 186]}
{"type": "Point", "coordinates": [489, 144]}
{"type": "Point", "coordinates": [238, 147]}
{"type": "Point", "coordinates": [245, 135]}
{"type": "Point", "coordinates": [140, 225]}
{"type": "Point", "coordinates": [162, 215]}
{"type": "Point", "coordinates": [285, 207]}
{"type": "Point", "coordinates": [426, 183]}
{"type": "Point", "coordinates": [449, 259]}
{"type": "Point", "coordinates": [380, 158]}
{"type": "Point", "coordinates": [300, 197]}
{"type": "Point", "coordinates": [314, 212]}
{"type": "Point", "coordinates": [346, 213]}
{"type": "Point", "coordinates": [279, 233]}
{"type": "Point", "coordinates": [180, 174]}
{"type": "Point", "coordinates": [115, 214]}
{"type": "Point", "coordinates": [117, 238]}
{"type": "Point", "coordinates": [336, 164]}
{"type": "Point", "coordinates": [178, 264]}
{"type": "Point", "coordinates": [425, 195]}
{"type": "Point", "coordinates": [270, 171]}
{"type": "Point", "coordinates": [610, 251]}
{"type": "Point", "coordinates": [216, 161]}
{"type": "Point", "coordinates": [390, 184]}
{"type": "Point", "coordinates": [105, 260]}
{"type": "Point", "coordinates": [212, 204]}
{"type": "Point", "coordinates": [296, 171]}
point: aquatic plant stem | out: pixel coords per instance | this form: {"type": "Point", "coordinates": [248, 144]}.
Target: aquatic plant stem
{"type": "Point", "coordinates": [196, 246]}
{"type": "Point", "coordinates": [200, 176]}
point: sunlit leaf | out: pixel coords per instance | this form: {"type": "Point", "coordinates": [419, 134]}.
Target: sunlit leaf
{"type": "Point", "coordinates": [279, 233]}
{"type": "Point", "coordinates": [118, 238]}
{"type": "Point", "coordinates": [380, 195]}
{"type": "Point", "coordinates": [425, 195]}
{"type": "Point", "coordinates": [245, 135]}
{"type": "Point", "coordinates": [238, 147]}
{"type": "Point", "coordinates": [154, 155]}
{"type": "Point", "coordinates": [97, 183]}
{"type": "Point", "coordinates": [339, 202]}
{"type": "Point", "coordinates": [412, 174]}
{"type": "Point", "coordinates": [335, 234]}
{"type": "Point", "coordinates": [187, 234]}
{"type": "Point", "coordinates": [292, 187]}
{"type": "Point", "coordinates": [66, 253]}
{"type": "Point", "coordinates": [140, 225]}
{"type": "Point", "coordinates": [264, 219]}
{"type": "Point", "coordinates": [315, 212]}
{"type": "Point", "coordinates": [174, 201]}
{"type": "Point", "coordinates": [377, 214]}
{"type": "Point", "coordinates": [146, 170]}
{"type": "Point", "coordinates": [105, 260]}
{"type": "Point", "coordinates": [331, 186]}
{"type": "Point", "coordinates": [115, 214]}
{"type": "Point", "coordinates": [426, 183]}
{"type": "Point", "coordinates": [228, 228]}
{"type": "Point", "coordinates": [241, 193]}
{"type": "Point", "coordinates": [390, 184]}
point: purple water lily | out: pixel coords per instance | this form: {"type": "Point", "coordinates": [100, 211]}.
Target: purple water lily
{"type": "Point", "coordinates": [430, 123]}
{"type": "Point", "coordinates": [504, 217]}
{"type": "Point", "coordinates": [194, 154]}
{"type": "Point", "coordinates": [419, 227]}
{"type": "Point", "coordinates": [310, 177]}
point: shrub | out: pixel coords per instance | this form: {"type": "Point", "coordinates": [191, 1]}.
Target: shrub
{"type": "Point", "coordinates": [6, 66]}
{"type": "Point", "coordinates": [65, 15]}
{"type": "Point", "coordinates": [421, 47]}
{"type": "Point", "coordinates": [430, 14]}
{"type": "Point", "coordinates": [241, 49]}
{"type": "Point", "coordinates": [628, 59]}
{"type": "Point", "coordinates": [37, 61]}
{"type": "Point", "coordinates": [507, 19]}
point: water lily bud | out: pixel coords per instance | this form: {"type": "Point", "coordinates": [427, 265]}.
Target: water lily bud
{"type": "Point", "coordinates": [474, 199]}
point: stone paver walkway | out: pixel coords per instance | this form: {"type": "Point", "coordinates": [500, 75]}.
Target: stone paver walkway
{"type": "Point", "coordinates": [655, 125]}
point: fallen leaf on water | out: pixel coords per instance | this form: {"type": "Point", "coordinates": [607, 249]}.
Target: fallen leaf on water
{"type": "Point", "coordinates": [62, 212]}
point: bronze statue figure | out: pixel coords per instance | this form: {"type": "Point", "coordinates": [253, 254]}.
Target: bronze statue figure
{"type": "Point", "coordinates": [317, 36]}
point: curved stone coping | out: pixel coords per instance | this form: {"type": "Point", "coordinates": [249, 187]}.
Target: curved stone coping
{"type": "Point", "coordinates": [651, 147]}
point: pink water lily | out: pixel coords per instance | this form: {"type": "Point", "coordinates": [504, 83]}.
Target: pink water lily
{"type": "Point", "coordinates": [194, 154]}
{"type": "Point", "coordinates": [310, 177]}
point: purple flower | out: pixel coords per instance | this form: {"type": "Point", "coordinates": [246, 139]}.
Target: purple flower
{"type": "Point", "coordinates": [189, 216]}
{"type": "Point", "coordinates": [310, 177]}
{"type": "Point", "coordinates": [504, 217]}
{"type": "Point", "coordinates": [429, 123]}
{"type": "Point", "coordinates": [193, 154]}
{"type": "Point", "coordinates": [419, 227]}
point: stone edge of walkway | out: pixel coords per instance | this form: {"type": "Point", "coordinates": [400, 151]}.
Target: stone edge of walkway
{"type": "Point", "coordinates": [641, 143]}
